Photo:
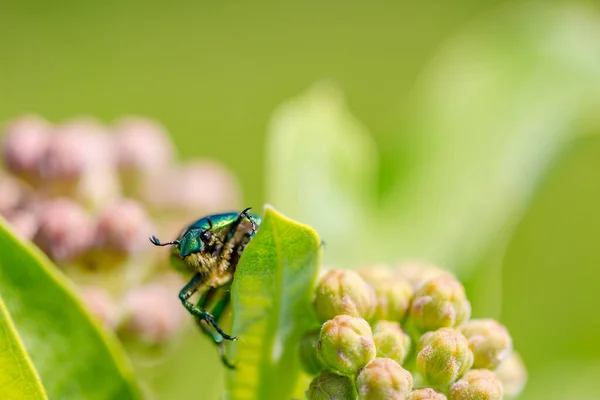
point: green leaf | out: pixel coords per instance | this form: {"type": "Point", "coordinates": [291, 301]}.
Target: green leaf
{"type": "Point", "coordinates": [486, 120]}
{"type": "Point", "coordinates": [322, 166]}
{"type": "Point", "coordinates": [74, 359]}
{"type": "Point", "coordinates": [18, 378]}
{"type": "Point", "coordinates": [271, 296]}
{"type": "Point", "coordinates": [497, 106]}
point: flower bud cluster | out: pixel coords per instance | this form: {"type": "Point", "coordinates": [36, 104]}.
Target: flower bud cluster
{"type": "Point", "coordinates": [405, 334]}
{"type": "Point", "coordinates": [89, 195]}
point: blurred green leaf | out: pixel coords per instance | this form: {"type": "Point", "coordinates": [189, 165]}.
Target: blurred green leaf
{"type": "Point", "coordinates": [18, 377]}
{"type": "Point", "coordinates": [497, 106]}
{"type": "Point", "coordinates": [75, 360]}
{"type": "Point", "coordinates": [567, 379]}
{"type": "Point", "coordinates": [486, 120]}
{"type": "Point", "coordinates": [322, 165]}
{"type": "Point", "coordinates": [271, 302]}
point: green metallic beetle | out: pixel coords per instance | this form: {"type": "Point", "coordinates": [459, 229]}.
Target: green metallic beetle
{"type": "Point", "coordinates": [211, 248]}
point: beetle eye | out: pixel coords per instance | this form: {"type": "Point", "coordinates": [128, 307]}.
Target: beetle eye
{"type": "Point", "coordinates": [205, 236]}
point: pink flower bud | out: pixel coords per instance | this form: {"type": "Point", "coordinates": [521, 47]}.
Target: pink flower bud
{"type": "Point", "coordinates": [24, 222]}
{"type": "Point", "coordinates": [12, 193]}
{"type": "Point", "coordinates": [74, 148]}
{"type": "Point", "coordinates": [124, 228]}
{"type": "Point", "coordinates": [152, 313]}
{"type": "Point", "coordinates": [24, 143]}
{"type": "Point", "coordinates": [143, 145]}
{"type": "Point", "coordinates": [101, 305]}
{"type": "Point", "coordinates": [65, 230]}
{"type": "Point", "coordinates": [196, 188]}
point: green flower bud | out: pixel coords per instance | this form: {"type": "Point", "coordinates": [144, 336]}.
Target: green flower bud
{"type": "Point", "coordinates": [393, 293]}
{"type": "Point", "coordinates": [513, 375]}
{"type": "Point", "coordinates": [426, 394]}
{"type": "Point", "coordinates": [440, 303]}
{"type": "Point", "coordinates": [308, 353]}
{"type": "Point", "coordinates": [374, 274]}
{"type": "Point", "coordinates": [444, 356]}
{"type": "Point", "coordinates": [346, 344]}
{"type": "Point", "coordinates": [391, 341]}
{"type": "Point", "coordinates": [383, 378]}
{"type": "Point", "coordinates": [331, 386]}
{"type": "Point", "coordinates": [489, 340]}
{"type": "Point", "coordinates": [419, 272]}
{"type": "Point", "coordinates": [343, 292]}
{"type": "Point", "coordinates": [477, 384]}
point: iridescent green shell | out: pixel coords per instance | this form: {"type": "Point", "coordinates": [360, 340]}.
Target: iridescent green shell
{"type": "Point", "coordinates": [218, 224]}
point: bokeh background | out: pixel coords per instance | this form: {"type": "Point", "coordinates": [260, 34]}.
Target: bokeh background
{"type": "Point", "coordinates": [215, 73]}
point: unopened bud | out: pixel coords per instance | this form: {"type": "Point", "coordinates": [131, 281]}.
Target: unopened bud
{"type": "Point", "coordinates": [65, 230]}
{"type": "Point", "coordinates": [444, 356]}
{"type": "Point", "coordinates": [24, 222]}
{"type": "Point", "coordinates": [477, 384]}
{"type": "Point", "coordinates": [489, 340]}
{"type": "Point", "coordinates": [513, 375]}
{"type": "Point", "coordinates": [346, 344]}
{"type": "Point", "coordinates": [75, 147]}
{"type": "Point", "coordinates": [101, 305]}
{"type": "Point", "coordinates": [419, 272]}
{"type": "Point", "coordinates": [343, 292]}
{"type": "Point", "coordinates": [123, 228]}
{"type": "Point", "coordinates": [331, 386]}
{"type": "Point", "coordinates": [143, 145]}
{"type": "Point", "coordinates": [426, 394]}
{"type": "Point", "coordinates": [151, 313]}
{"type": "Point", "coordinates": [13, 193]}
{"type": "Point", "coordinates": [391, 341]}
{"type": "Point", "coordinates": [393, 293]}
{"type": "Point", "coordinates": [199, 187]}
{"type": "Point", "coordinates": [375, 274]}
{"type": "Point", "coordinates": [24, 144]}
{"type": "Point", "coordinates": [440, 303]}
{"type": "Point", "coordinates": [145, 153]}
{"type": "Point", "coordinates": [80, 163]}
{"type": "Point", "coordinates": [383, 378]}
{"type": "Point", "coordinates": [308, 353]}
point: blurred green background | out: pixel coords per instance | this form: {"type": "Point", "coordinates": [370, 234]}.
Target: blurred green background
{"type": "Point", "coordinates": [215, 73]}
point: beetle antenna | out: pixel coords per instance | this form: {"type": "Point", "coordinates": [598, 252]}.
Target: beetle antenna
{"type": "Point", "coordinates": [154, 240]}
{"type": "Point", "coordinates": [210, 224]}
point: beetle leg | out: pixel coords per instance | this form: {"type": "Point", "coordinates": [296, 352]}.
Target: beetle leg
{"type": "Point", "coordinates": [238, 221]}
{"type": "Point", "coordinates": [218, 340]}
{"type": "Point", "coordinates": [187, 292]}
{"type": "Point", "coordinates": [208, 317]}
{"type": "Point", "coordinates": [217, 311]}
{"type": "Point", "coordinates": [189, 289]}
{"type": "Point", "coordinates": [250, 218]}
